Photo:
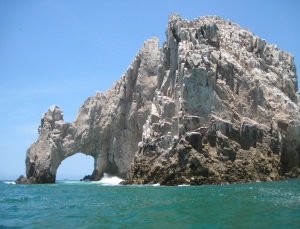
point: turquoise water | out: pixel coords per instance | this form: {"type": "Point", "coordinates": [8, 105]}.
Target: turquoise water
{"type": "Point", "coordinates": [94, 205]}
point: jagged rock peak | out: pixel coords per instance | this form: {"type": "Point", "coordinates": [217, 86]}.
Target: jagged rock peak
{"type": "Point", "coordinates": [225, 110]}
{"type": "Point", "coordinates": [215, 104]}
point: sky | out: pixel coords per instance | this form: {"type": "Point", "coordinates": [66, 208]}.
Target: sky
{"type": "Point", "coordinates": [62, 51]}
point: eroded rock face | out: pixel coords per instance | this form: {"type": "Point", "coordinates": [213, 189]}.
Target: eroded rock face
{"type": "Point", "coordinates": [108, 126]}
{"type": "Point", "coordinates": [225, 110]}
{"type": "Point", "coordinates": [215, 104]}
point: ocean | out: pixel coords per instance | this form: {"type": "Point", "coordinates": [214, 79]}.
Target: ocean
{"type": "Point", "coordinates": [74, 204]}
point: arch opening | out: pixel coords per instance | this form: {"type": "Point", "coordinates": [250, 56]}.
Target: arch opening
{"type": "Point", "coordinates": [75, 167]}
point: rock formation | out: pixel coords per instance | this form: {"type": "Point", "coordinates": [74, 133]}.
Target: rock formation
{"type": "Point", "coordinates": [225, 108]}
{"type": "Point", "coordinates": [108, 126]}
{"type": "Point", "coordinates": [215, 104]}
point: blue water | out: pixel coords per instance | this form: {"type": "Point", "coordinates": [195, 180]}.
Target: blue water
{"type": "Point", "coordinates": [95, 205]}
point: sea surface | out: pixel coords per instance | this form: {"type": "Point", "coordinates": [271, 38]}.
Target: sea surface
{"type": "Point", "coordinates": [74, 204]}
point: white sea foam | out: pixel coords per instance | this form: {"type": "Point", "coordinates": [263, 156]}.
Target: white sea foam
{"type": "Point", "coordinates": [156, 185]}
{"type": "Point", "coordinates": [109, 180]}
{"type": "Point", "coordinates": [10, 182]}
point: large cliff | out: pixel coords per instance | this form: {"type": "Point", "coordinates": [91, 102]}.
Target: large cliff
{"type": "Point", "coordinates": [215, 104]}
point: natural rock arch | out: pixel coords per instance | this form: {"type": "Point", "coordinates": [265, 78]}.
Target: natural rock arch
{"type": "Point", "coordinates": [108, 125]}
{"type": "Point", "coordinates": [76, 167]}
{"type": "Point", "coordinates": [215, 104]}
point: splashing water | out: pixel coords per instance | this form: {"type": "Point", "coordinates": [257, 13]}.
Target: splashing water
{"type": "Point", "coordinates": [109, 180]}
{"type": "Point", "coordinates": [9, 182]}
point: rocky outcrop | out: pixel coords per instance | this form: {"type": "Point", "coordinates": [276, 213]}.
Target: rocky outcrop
{"type": "Point", "coordinates": [23, 180]}
{"type": "Point", "coordinates": [216, 104]}
{"type": "Point", "coordinates": [108, 126]}
{"type": "Point", "coordinates": [225, 109]}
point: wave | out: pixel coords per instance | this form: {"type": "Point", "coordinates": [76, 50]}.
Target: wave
{"type": "Point", "coordinates": [108, 180]}
{"type": "Point", "coordinates": [155, 185]}
{"type": "Point", "coordinates": [9, 182]}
